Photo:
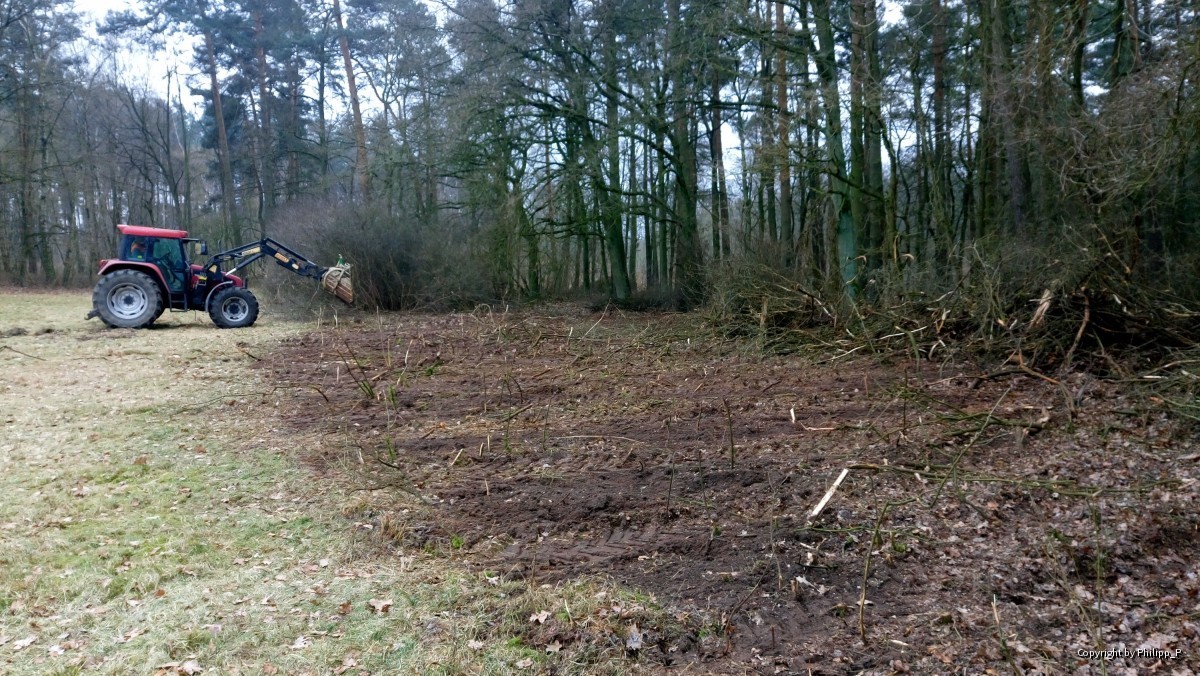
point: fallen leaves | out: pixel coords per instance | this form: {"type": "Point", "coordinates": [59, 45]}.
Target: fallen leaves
{"type": "Point", "coordinates": [633, 639]}
{"type": "Point", "coordinates": [1157, 642]}
{"type": "Point", "coordinates": [24, 643]}
{"type": "Point", "coordinates": [188, 667]}
{"type": "Point", "coordinates": [130, 635]}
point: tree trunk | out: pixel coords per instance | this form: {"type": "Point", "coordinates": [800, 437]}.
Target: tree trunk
{"type": "Point", "coordinates": [783, 155]}
{"type": "Point", "coordinates": [878, 230]}
{"type": "Point", "coordinates": [232, 225]}
{"type": "Point", "coordinates": [845, 250]}
{"type": "Point", "coordinates": [720, 201]}
{"type": "Point", "coordinates": [1079, 49]}
{"type": "Point", "coordinates": [939, 193]}
{"type": "Point", "coordinates": [267, 140]}
{"type": "Point", "coordinates": [361, 172]}
{"type": "Point", "coordinates": [689, 256]}
{"type": "Point", "coordinates": [611, 207]}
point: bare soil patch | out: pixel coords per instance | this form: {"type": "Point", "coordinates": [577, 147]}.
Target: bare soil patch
{"type": "Point", "coordinates": [1005, 523]}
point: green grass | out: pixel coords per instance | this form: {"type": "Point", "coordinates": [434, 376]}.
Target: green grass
{"type": "Point", "coordinates": [145, 521]}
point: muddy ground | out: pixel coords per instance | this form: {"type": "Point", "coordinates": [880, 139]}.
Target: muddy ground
{"type": "Point", "coordinates": [1008, 523]}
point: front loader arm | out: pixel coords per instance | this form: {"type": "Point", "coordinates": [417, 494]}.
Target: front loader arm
{"type": "Point", "coordinates": [248, 253]}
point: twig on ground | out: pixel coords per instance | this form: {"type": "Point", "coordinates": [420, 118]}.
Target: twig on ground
{"type": "Point", "coordinates": [829, 494]}
{"type": "Point", "coordinates": [862, 595]}
{"type": "Point", "coordinates": [963, 451]}
{"type": "Point", "coordinates": [1087, 316]}
{"type": "Point", "coordinates": [729, 428]}
{"type": "Point", "coordinates": [516, 413]}
{"type": "Point", "coordinates": [1004, 649]}
{"type": "Point", "coordinates": [13, 349]}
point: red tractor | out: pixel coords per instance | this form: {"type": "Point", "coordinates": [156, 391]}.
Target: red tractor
{"type": "Point", "coordinates": [153, 274]}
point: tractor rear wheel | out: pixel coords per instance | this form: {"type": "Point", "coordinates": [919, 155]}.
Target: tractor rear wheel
{"type": "Point", "coordinates": [233, 308]}
{"type": "Point", "coordinates": [127, 299]}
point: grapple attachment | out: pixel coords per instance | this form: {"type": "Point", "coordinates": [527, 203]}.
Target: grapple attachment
{"type": "Point", "coordinates": [336, 280]}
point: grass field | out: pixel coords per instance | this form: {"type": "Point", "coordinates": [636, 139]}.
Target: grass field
{"type": "Point", "coordinates": [152, 520]}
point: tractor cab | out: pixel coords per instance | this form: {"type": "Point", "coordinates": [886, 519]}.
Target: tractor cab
{"type": "Point", "coordinates": [168, 254]}
{"type": "Point", "coordinates": [162, 254]}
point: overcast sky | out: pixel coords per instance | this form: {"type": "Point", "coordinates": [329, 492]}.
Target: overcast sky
{"type": "Point", "coordinates": [98, 8]}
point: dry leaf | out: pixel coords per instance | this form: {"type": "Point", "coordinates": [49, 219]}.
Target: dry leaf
{"type": "Point", "coordinates": [1157, 641]}
{"type": "Point", "coordinates": [525, 664]}
{"type": "Point", "coordinates": [380, 605]}
{"type": "Point", "coordinates": [189, 667]}
{"type": "Point", "coordinates": [540, 618]}
{"type": "Point", "coordinates": [140, 460]}
{"type": "Point", "coordinates": [301, 643]}
{"type": "Point", "coordinates": [554, 647]}
{"type": "Point", "coordinates": [633, 639]}
{"type": "Point", "coordinates": [24, 643]}
{"type": "Point", "coordinates": [475, 645]}
{"type": "Point", "coordinates": [130, 635]}
{"type": "Point", "coordinates": [344, 609]}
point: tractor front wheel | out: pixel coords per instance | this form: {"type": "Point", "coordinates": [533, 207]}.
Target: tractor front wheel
{"type": "Point", "coordinates": [233, 308]}
{"type": "Point", "coordinates": [127, 299]}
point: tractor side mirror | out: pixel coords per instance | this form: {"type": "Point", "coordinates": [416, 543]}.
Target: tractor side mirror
{"type": "Point", "coordinates": [199, 248]}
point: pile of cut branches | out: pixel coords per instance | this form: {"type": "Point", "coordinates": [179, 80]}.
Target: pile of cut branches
{"type": "Point", "coordinates": [753, 300]}
{"type": "Point", "coordinates": [1079, 306]}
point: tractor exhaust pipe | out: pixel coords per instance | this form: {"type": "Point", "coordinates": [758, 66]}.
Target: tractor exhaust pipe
{"type": "Point", "coordinates": [336, 280]}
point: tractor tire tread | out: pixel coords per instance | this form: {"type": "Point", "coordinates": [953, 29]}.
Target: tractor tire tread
{"type": "Point", "coordinates": [218, 307]}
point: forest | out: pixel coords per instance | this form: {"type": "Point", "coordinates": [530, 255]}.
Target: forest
{"type": "Point", "coordinates": [774, 160]}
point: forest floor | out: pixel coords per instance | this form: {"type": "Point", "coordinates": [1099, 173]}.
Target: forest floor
{"type": "Point", "coordinates": [561, 491]}
{"type": "Point", "coordinates": [1005, 523]}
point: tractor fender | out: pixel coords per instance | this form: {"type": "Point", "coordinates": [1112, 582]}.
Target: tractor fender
{"type": "Point", "coordinates": [213, 292]}
{"type": "Point", "coordinates": [112, 265]}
